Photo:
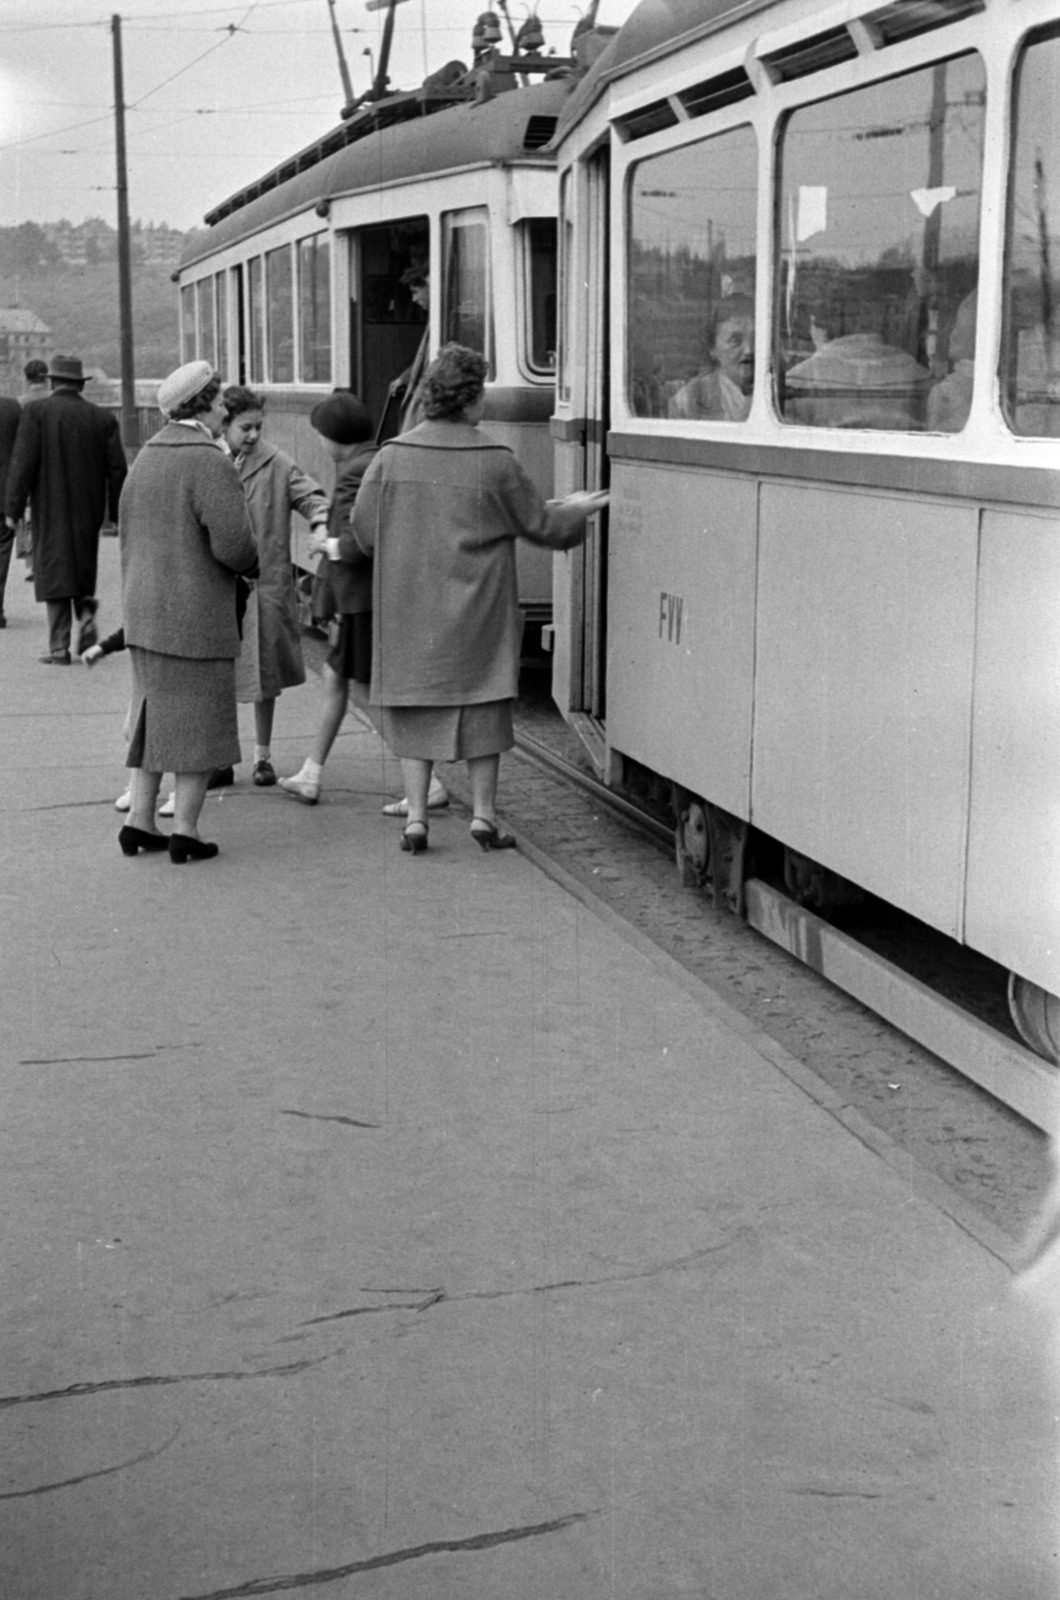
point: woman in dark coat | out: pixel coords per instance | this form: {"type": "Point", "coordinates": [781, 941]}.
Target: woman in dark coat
{"type": "Point", "coordinates": [440, 509]}
{"type": "Point", "coordinates": [185, 534]}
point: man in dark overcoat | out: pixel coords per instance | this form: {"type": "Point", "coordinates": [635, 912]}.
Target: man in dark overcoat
{"type": "Point", "coordinates": [10, 416]}
{"type": "Point", "coordinates": [70, 464]}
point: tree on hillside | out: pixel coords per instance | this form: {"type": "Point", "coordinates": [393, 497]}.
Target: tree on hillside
{"type": "Point", "coordinates": [26, 248]}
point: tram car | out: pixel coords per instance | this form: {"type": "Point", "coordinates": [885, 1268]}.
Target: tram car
{"type": "Point", "coordinates": [810, 339]}
{"type": "Point", "coordinates": [425, 216]}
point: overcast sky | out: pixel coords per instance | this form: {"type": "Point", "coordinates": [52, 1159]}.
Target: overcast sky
{"type": "Point", "coordinates": [216, 93]}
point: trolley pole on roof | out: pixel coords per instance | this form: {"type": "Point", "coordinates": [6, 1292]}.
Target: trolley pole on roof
{"type": "Point", "coordinates": [344, 71]}
{"type": "Point", "coordinates": [128, 415]}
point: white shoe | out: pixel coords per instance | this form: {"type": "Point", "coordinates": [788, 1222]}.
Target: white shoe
{"type": "Point", "coordinates": [168, 806]}
{"type": "Point", "coordinates": [304, 789]}
{"type": "Point", "coordinates": [437, 800]}
{"type": "Point", "coordinates": [124, 801]}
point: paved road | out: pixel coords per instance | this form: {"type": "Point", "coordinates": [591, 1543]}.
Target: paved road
{"type": "Point", "coordinates": [394, 1227]}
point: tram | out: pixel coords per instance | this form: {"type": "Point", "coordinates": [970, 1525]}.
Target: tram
{"type": "Point", "coordinates": [425, 216]}
{"type": "Point", "coordinates": [810, 339]}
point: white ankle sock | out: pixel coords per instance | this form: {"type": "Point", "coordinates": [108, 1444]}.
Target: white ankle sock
{"type": "Point", "coordinates": [311, 771]}
{"type": "Point", "coordinates": [262, 752]}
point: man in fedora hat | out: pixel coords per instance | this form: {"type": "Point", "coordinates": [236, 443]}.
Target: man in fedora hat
{"type": "Point", "coordinates": [69, 463]}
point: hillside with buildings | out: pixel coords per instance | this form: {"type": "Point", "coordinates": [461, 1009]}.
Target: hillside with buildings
{"type": "Point", "coordinates": [59, 294]}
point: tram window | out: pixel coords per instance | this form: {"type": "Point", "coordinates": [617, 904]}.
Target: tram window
{"type": "Point", "coordinates": [466, 312]}
{"type": "Point", "coordinates": [540, 245]}
{"type": "Point", "coordinates": [222, 322]}
{"type": "Point", "coordinates": [188, 321]}
{"type": "Point", "coordinates": [207, 321]}
{"type": "Point", "coordinates": [279, 280]}
{"type": "Point", "coordinates": [255, 321]}
{"type": "Point", "coordinates": [1030, 383]}
{"type": "Point", "coordinates": [692, 239]}
{"type": "Point", "coordinates": [878, 246]}
{"type": "Point", "coordinates": [314, 308]}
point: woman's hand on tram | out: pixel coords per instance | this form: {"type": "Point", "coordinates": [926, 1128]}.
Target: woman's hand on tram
{"type": "Point", "coordinates": [588, 500]}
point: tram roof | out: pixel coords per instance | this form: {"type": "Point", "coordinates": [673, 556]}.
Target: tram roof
{"type": "Point", "coordinates": [657, 28]}
{"type": "Point", "coordinates": [512, 126]}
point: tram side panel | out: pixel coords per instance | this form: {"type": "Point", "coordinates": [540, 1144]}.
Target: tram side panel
{"type": "Point", "coordinates": [681, 627]}
{"type": "Point", "coordinates": [866, 632]}
{"type": "Point", "coordinates": [1014, 843]}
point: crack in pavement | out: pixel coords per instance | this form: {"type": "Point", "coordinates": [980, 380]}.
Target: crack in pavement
{"type": "Point", "coordinates": [316, 1116]}
{"type": "Point", "coordinates": [439, 1296]}
{"type": "Point", "coordinates": [478, 1541]}
{"type": "Point", "coordinates": [76, 1390]}
{"type": "Point", "coordinates": [103, 1472]}
{"type": "Point", "coordinates": [62, 1061]}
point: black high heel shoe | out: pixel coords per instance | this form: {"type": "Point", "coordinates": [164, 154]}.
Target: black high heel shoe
{"type": "Point", "coordinates": [133, 839]}
{"type": "Point", "coordinates": [414, 838]}
{"type": "Point", "coordinates": [487, 836]}
{"type": "Point", "coordinates": [182, 847]}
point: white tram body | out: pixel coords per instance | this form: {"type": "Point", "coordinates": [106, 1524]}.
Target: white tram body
{"type": "Point", "coordinates": [301, 281]}
{"type": "Point", "coordinates": [826, 602]}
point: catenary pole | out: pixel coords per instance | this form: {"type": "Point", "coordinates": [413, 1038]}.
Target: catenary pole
{"type": "Point", "coordinates": [128, 404]}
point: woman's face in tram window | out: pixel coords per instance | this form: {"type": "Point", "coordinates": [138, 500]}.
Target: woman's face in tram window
{"type": "Point", "coordinates": [244, 431]}
{"type": "Point", "coordinates": [734, 351]}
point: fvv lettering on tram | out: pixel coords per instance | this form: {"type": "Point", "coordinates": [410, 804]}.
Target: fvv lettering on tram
{"type": "Point", "coordinates": [671, 610]}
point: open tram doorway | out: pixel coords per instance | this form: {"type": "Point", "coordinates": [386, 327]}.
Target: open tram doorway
{"type": "Point", "coordinates": [388, 325]}
{"type": "Point", "coordinates": [588, 684]}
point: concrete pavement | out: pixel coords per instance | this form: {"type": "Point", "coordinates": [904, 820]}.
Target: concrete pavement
{"type": "Point", "coordinates": [390, 1226]}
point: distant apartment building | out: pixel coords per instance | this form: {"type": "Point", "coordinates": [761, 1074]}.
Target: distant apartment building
{"type": "Point", "coordinates": [23, 337]}
{"type": "Point", "coordinates": [87, 243]}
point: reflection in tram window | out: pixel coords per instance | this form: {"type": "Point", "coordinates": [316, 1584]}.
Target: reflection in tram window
{"type": "Point", "coordinates": [207, 321]}
{"type": "Point", "coordinates": [878, 243]}
{"type": "Point", "coordinates": [1030, 386]}
{"type": "Point", "coordinates": [279, 279]}
{"type": "Point", "coordinates": [540, 245]}
{"type": "Point", "coordinates": [314, 308]}
{"type": "Point", "coordinates": [465, 293]}
{"type": "Point", "coordinates": [692, 277]}
{"type": "Point", "coordinates": [222, 322]}
{"type": "Point", "coordinates": [255, 321]}
{"type": "Point", "coordinates": [188, 321]}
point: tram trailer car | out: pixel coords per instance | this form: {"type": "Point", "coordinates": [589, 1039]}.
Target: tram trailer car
{"type": "Point", "coordinates": [810, 338]}
{"type": "Point", "coordinates": [305, 279]}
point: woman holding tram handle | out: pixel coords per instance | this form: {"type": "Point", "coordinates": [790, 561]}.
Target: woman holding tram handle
{"type": "Point", "coordinates": [439, 511]}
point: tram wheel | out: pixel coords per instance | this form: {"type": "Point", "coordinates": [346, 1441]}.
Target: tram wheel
{"type": "Point", "coordinates": [1036, 1014]}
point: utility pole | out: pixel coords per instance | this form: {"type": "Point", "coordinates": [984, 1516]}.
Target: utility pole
{"type": "Point", "coordinates": [128, 397]}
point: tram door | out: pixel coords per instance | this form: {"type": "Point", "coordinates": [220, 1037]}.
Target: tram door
{"type": "Point", "coordinates": [597, 475]}
{"type": "Point", "coordinates": [387, 325]}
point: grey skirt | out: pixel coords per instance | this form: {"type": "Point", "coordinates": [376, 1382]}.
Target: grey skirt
{"type": "Point", "coordinates": [447, 733]}
{"type": "Point", "coordinates": [183, 715]}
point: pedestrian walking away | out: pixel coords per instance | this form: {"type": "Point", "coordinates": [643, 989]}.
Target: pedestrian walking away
{"type": "Point", "coordinates": [68, 466]}
{"type": "Point", "coordinates": [271, 658]}
{"type": "Point", "coordinates": [185, 535]}
{"type": "Point", "coordinates": [439, 510]}
{"type": "Point", "coordinates": [10, 417]}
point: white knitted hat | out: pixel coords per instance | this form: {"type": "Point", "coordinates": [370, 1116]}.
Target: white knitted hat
{"type": "Point", "coordinates": [183, 385]}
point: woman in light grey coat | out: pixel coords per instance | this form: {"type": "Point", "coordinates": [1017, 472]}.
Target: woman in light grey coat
{"type": "Point", "coordinates": [440, 509]}
{"type": "Point", "coordinates": [185, 535]}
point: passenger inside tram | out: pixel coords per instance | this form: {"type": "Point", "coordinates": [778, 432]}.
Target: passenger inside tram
{"type": "Point", "coordinates": [723, 391]}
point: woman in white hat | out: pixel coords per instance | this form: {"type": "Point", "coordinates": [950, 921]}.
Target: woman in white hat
{"type": "Point", "coordinates": [185, 535]}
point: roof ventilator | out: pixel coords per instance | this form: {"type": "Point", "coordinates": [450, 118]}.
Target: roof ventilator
{"type": "Point", "coordinates": [904, 19]}
{"type": "Point", "coordinates": [539, 131]}
{"type": "Point", "coordinates": [724, 90]}
{"type": "Point", "coordinates": [821, 50]}
{"type": "Point", "coordinates": [647, 119]}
